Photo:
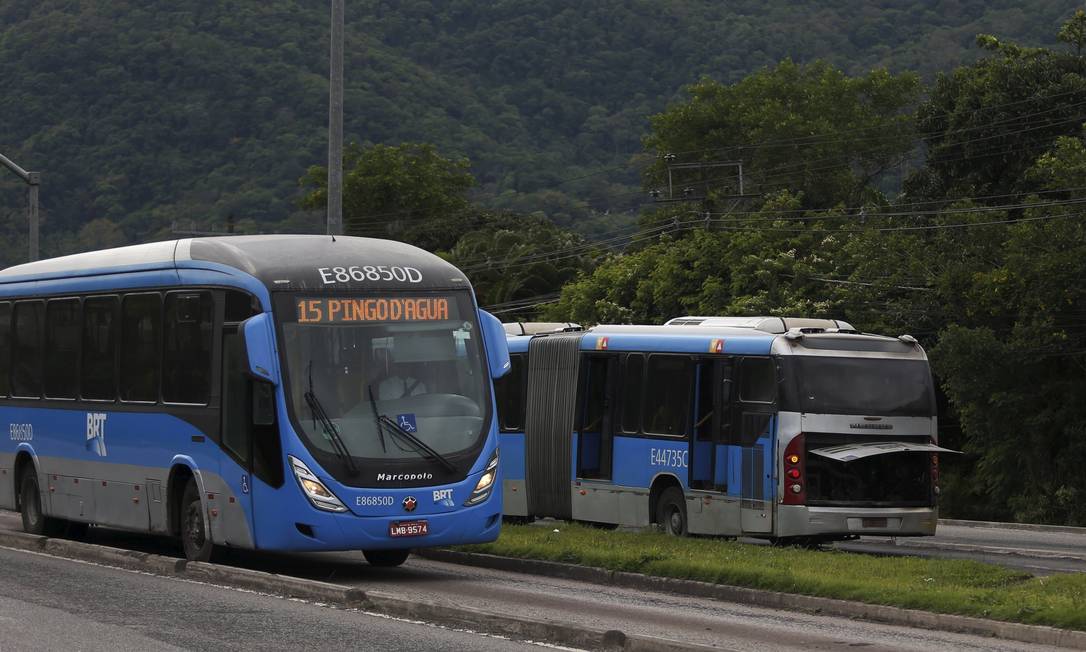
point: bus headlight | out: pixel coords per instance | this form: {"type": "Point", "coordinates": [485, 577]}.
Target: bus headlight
{"type": "Point", "coordinates": [314, 489]}
{"type": "Point", "coordinates": [485, 485]}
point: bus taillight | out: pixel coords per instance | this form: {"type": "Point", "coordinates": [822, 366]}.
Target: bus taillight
{"type": "Point", "coordinates": [795, 482]}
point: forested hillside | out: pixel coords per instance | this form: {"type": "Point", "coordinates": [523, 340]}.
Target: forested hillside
{"type": "Point", "coordinates": [143, 115]}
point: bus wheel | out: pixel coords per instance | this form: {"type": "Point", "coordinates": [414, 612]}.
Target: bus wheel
{"type": "Point", "coordinates": [34, 520]}
{"type": "Point", "coordinates": [671, 512]}
{"type": "Point", "coordinates": [386, 558]}
{"type": "Point", "coordinates": [194, 536]}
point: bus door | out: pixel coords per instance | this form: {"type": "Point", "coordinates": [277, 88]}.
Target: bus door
{"type": "Point", "coordinates": [594, 449]}
{"type": "Point", "coordinates": [753, 411]}
{"type": "Point", "coordinates": [706, 424]}
{"type": "Point", "coordinates": [249, 436]}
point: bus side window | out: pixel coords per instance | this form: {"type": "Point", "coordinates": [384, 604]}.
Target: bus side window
{"type": "Point", "coordinates": [703, 426]}
{"type": "Point", "coordinates": [632, 382]}
{"type": "Point", "coordinates": [61, 348]}
{"type": "Point", "coordinates": [187, 347]}
{"type": "Point", "coordinates": [757, 380]}
{"type": "Point", "coordinates": [141, 355]}
{"type": "Point", "coordinates": [27, 353]}
{"type": "Point", "coordinates": [511, 392]}
{"type": "Point", "coordinates": [5, 348]}
{"type": "Point", "coordinates": [667, 395]}
{"type": "Point", "coordinates": [757, 392]}
{"type": "Point", "coordinates": [727, 402]}
{"type": "Point", "coordinates": [99, 368]}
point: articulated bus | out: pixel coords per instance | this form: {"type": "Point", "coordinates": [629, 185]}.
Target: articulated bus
{"type": "Point", "coordinates": [785, 429]}
{"type": "Point", "coordinates": [257, 392]}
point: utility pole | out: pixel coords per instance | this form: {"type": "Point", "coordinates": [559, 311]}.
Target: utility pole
{"type": "Point", "coordinates": [32, 180]}
{"type": "Point", "coordinates": [335, 123]}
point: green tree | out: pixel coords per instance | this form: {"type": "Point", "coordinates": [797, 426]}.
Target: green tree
{"type": "Point", "coordinates": [810, 129]}
{"type": "Point", "coordinates": [985, 124]}
{"type": "Point", "coordinates": [517, 263]}
{"type": "Point", "coordinates": [1018, 374]}
{"type": "Point", "coordinates": [781, 260]}
{"type": "Point", "coordinates": [1073, 32]}
{"type": "Point", "coordinates": [390, 190]}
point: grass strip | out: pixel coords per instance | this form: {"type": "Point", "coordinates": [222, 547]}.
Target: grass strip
{"type": "Point", "coordinates": [952, 586]}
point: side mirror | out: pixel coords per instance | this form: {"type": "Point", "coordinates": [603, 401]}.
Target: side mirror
{"type": "Point", "coordinates": [497, 349]}
{"type": "Point", "coordinates": [259, 346]}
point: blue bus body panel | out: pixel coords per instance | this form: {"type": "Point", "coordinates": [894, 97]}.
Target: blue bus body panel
{"type": "Point", "coordinates": [512, 457]}
{"type": "Point", "coordinates": [639, 460]}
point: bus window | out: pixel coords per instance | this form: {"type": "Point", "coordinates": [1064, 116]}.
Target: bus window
{"type": "Point", "coordinates": [703, 426]}
{"type": "Point", "coordinates": [61, 348]}
{"type": "Point", "coordinates": [239, 306]}
{"type": "Point", "coordinates": [5, 348]}
{"type": "Point", "coordinates": [727, 386]}
{"type": "Point", "coordinates": [632, 380]}
{"type": "Point", "coordinates": [594, 441]}
{"type": "Point", "coordinates": [141, 325]}
{"type": "Point", "coordinates": [236, 434]}
{"type": "Point", "coordinates": [757, 380]}
{"type": "Point", "coordinates": [99, 371]}
{"type": "Point", "coordinates": [667, 395]}
{"type": "Point", "coordinates": [186, 374]}
{"type": "Point", "coordinates": [26, 358]}
{"type": "Point", "coordinates": [757, 391]}
{"type": "Point", "coordinates": [510, 391]}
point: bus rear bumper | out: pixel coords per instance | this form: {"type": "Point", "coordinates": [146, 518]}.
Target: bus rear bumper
{"type": "Point", "coordinates": [800, 520]}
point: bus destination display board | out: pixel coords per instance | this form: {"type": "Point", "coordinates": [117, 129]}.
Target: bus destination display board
{"type": "Point", "coordinates": [328, 310]}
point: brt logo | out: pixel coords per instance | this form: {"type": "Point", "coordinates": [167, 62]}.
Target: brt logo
{"type": "Point", "coordinates": [96, 432]}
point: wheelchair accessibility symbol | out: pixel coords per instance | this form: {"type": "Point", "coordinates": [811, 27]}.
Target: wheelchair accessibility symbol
{"type": "Point", "coordinates": [407, 422]}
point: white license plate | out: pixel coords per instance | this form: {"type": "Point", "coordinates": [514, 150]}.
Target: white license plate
{"type": "Point", "coordinates": [408, 529]}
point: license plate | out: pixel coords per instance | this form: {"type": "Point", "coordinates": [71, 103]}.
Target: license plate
{"type": "Point", "coordinates": [874, 522]}
{"type": "Point", "coordinates": [408, 529]}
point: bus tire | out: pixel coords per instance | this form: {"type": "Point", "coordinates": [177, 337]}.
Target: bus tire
{"type": "Point", "coordinates": [386, 558]}
{"type": "Point", "coordinates": [671, 512]}
{"type": "Point", "coordinates": [194, 536]}
{"type": "Point", "coordinates": [34, 519]}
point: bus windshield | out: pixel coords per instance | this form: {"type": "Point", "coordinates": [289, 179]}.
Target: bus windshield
{"type": "Point", "coordinates": [872, 386]}
{"type": "Point", "coordinates": [384, 380]}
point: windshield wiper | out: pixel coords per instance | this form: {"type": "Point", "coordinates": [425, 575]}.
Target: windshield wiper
{"type": "Point", "coordinates": [419, 445]}
{"type": "Point", "coordinates": [377, 418]}
{"type": "Point", "coordinates": [331, 432]}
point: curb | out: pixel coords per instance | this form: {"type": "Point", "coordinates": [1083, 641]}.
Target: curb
{"type": "Point", "coordinates": [379, 602]}
{"type": "Point", "coordinates": [1033, 527]}
{"type": "Point", "coordinates": [1035, 634]}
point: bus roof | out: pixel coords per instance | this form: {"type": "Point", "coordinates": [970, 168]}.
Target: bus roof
{"type": "Point", "coordinates": [734, 340]}
{"type": "Point", "coordinates": [765, 324]}
{"type": "Point", "coordinates": [290, 262]}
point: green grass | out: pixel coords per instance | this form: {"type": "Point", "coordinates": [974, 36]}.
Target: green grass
{"type": "Point", "coordinates": [940, 585]}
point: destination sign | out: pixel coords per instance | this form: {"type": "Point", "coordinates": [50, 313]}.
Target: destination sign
{"type": "Point", "coordinates": [327, 310]}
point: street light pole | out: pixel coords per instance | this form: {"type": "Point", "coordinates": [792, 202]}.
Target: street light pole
{"type": "Point", "coordinates": [335, 123]}
{"type": "Point", "coordinates": [33, 180]}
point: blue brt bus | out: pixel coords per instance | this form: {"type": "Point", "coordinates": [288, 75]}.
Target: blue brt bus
{"type": "Point", "coordinates": [787, 429]}
{"type": "Point", "coordinates": [271, 392]}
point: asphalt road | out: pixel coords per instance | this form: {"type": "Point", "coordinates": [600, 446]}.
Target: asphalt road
{"type": "Point", "coordinates": [684, 619]}
{"type": "Point", "coordinates": [48, 603]}
{"type": "Point", "coordinates": [1037, 551]}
